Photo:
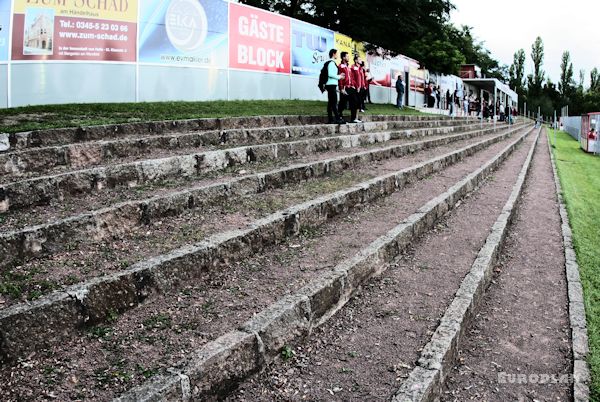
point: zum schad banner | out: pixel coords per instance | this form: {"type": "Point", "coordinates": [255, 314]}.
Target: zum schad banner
{"type": "Point", "coordinates": [184, 32]}
{"type": "Point", "coordinates": [4, 28]}
{"type": "Point", "coordinates": [94, 30]}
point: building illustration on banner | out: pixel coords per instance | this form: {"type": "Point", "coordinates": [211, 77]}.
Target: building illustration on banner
{"type": "Point", "coordinates": [75, 31]}
{"type": "Point", "coordinates": [38, 35]}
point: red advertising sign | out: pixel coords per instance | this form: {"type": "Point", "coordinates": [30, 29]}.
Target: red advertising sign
{"type": "Point", "coordinates": [99, 30]}
{"type": "Point", "coordinates": [258, 40]}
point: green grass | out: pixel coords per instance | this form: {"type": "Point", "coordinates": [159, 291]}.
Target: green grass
{"type": "Point", "coordinates": [72, 115]}
{"type": "Point", "coordinates": [579, 175]}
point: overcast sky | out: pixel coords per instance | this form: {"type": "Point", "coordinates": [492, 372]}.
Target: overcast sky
{"type": "Point", "coordinates": [508, 25]}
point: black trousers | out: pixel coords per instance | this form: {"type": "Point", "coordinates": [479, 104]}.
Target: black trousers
{"type": "Point", "coordinates": [332, 110]}
{"type": "Point", "coordinates": [352, 99]}
{"type": "Point", "coordinates": [363, 97]}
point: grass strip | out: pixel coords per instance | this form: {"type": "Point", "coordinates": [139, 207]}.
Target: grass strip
{"type": "Point", "coordinates": [29, 118]}
{"type": "Point", "coordinates": [579, 175]}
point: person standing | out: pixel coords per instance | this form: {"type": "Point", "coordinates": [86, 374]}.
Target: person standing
{"type": "Point", "coordinates": [431, 98]}
{"type": "Point", "coordinates": [331, 87]}
{"type": "Point", "coordinates": [344, 83]}
{"type": "Point", "coordinates": [358, 79]}
{"type": "Point", "coordinates": [400, 91]}
{"type": "Point", "coordinates": [348, 92]}
{"type": "Point", "coordinates": [369, 82]}
{"type": "Point", "coordinates": [365, 87]}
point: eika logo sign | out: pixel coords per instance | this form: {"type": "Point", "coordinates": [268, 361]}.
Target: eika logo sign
{"type": "Point", "coordinates": [186, 24]}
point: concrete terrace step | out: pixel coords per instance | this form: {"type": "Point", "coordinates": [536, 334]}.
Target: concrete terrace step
{"type": "Point", "coordinates": [29, 242]}
{"type": "Point", "coordinates": [213, 369]}
{"type": "Point", "coordinates": [528, 337]}
{"type": "Point", "coordinates": [50, 318]}
{"type": "Point", "coordinates": [369, 346]}
{"type": "Point", "coordinates": [85, 154]}
{"type": "Point", "coordinates": [40, 190]}
{"type": "Point", "coordinates": [61, 136]}
{"type": "Point", "coordinates": [439, 354]}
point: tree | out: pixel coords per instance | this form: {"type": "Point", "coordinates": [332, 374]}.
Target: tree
{"type": "Point", "coordinates": [476, 53]}
{"type": "Point", "coordinates": [565, 86]}
{"type": "Point", "coordinates": [594, 80]}
{"type": "Point", "coordinates": [393, 25]}
{"type": "Point", "coordinates": [439, 52]}
{"type": "Point", "coordinates": [536, 80]}
{"type": "Point", "coordinates": [415, 28]}
{"type": "Point", "coordinates": [517, 74]}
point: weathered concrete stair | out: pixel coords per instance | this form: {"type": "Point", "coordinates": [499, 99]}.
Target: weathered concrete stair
{"type": "Point", "coordinates": [215, 368]}
{"type": "Point", "coordinates": [59, 136]}
{"type": "Point", "coordinates": [30, 326]}
{"type": "Point", "coordinates": [84, 154]}
{"type": "Point", "coordinates": [439, 355]}
{"type": "Point", "coordinates": [40, 190]}
{"type": "Point", "coordinates": [35, 241]}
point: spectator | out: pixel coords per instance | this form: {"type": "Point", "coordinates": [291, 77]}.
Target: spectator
{"type": "Point", "coordinates": [428, 91]}
{"type": "Point", "coordinates": [400, 91]}
{"type": "Point", "coordinates": [592, 135]}
{"type": "Point", "coordinates": [347, 87]}
{"type": "Point", "coordinates": [365, 86]}
{"type": "Point", "coordinates": [358, 80]}
{"type": "Point", "coordinates": [331, 87]}
{"type": "Point", "coordinates": [438, 96]}
{"type": "Point", "coordinates": [344, 68]}
{"type": "Point", "coordinates": [486, 110]}
{"type": "Point", "coordinates": [369, 82]}
{"type": "Point", "coordinates": [448, 100]}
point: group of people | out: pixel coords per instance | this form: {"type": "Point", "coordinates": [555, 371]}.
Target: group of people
{"type": "Point", "coordinates": [459, 102]}
{"type": "Point", "coordinates": [352, 80]}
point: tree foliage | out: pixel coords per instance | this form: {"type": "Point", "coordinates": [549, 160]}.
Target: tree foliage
{"type": "Point", "coordinates": [567, 83]}
{"type": "Point", "coordinates": [535, 80]}
{"type": "Point", "coordinates": [550, 97]}
{"type": "Point", "coordinates": [416, 28]}
{"type": "Point", "coordinates": [594, 80]}
{"type": "Point", "coordinates": [516, 73]}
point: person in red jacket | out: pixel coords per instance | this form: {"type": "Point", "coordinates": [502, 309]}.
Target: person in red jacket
{"type": "Point", "coordinates": [347, 87]}
{"type": "Point", "coordinates": [365, 86]}
{"type": "Point", "coordinates": [358, 80]}
{"type": "Point", "coordinates": [592, 134]}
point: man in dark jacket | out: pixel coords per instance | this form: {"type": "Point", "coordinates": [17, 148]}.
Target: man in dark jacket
{"type": "Point", "coordinates": [400, 90]}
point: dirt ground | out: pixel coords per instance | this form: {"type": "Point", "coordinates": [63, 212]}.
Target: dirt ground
{"type": "Point", "coordinates": [366, 350]}
{"type": "Point", "coordinates": [522, 329]}
{"type": "Point", "coordinates": [108, 359]}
